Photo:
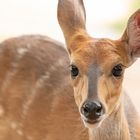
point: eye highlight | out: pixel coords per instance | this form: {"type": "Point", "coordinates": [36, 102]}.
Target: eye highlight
{"type": "Point", "coordinates": [74, 71]}
{"type": "Point", "coordinates": [117, 71]}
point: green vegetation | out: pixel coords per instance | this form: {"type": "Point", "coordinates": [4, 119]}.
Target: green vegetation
{"type": "Point", "coordinates": [118, 26]}
{"type": "Point", "coordinates": [135, 4]}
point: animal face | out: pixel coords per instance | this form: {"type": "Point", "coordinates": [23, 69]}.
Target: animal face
{"type": "Point", "coordinates": [97, 69]}
{"type": "Point", "coordinates": [97, 65]}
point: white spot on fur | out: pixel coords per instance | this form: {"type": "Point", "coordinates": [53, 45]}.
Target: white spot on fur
{"type": "Point", "coordinates": [42, 79]}
{"type": "Point", "coordinates": [57, 64]}
{"type": "Point", "coordinates": [38, 84]}
{"type": "Point", "coordinates": [22, 51]}
{"type": "Point", "coordinates": [14, 125]}
{"type": "Point", "coordinates": [28, 46]}
{"type": "Point", "coordinates": [7, 79]}
{"type": "Point", "coordinates": [19, 132]}
{"type": "Point", "coordinates": [14, 66]}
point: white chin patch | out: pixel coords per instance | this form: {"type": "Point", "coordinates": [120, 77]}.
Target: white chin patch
{"type": "Point", "coordinates": [91, 126]}
{"type": "Point", "coordinates": [95, 125]}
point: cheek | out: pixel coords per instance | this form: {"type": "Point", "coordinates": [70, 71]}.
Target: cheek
{"type": "Point", "coordinates": [80, 91]}
{"type": "Point", "coordinates": [109, 91]}
{"type": "Point", "coordinates": [77, 96]}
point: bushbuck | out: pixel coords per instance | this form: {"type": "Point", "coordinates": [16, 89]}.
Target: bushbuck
{"type": "Point", "coordinates": [36, 96]}
{"type": "Point", "coordinates": [97, 68]}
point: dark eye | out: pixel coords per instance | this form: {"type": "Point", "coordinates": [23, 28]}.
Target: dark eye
{"type": "Point", "coordinates": [74, 71]}
{"type": "Point", "coordinates": [117, 71]}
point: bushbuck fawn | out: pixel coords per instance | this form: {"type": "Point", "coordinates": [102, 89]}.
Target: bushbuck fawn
{"type": "Point", "coordinates": [36, 97]}
{"type": "Point", "coordinates": [97, 69]}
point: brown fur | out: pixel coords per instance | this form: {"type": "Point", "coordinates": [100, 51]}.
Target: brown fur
{"type": "Point", "coordinates": [36, 97]}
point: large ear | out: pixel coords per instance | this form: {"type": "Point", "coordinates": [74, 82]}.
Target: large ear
{"type": "Point", "coordinates": [71, 17]}
{"type": "Point", "coordinates": [132, 34]}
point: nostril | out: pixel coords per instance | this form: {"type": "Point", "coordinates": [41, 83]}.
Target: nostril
{"type": "Point", "coordinates": [86, 110]}
{"type": "Point", "coordinates": [98, 110]}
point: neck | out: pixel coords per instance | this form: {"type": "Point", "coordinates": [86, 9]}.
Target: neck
{"type": "Point", "coordinates": [114, 127]}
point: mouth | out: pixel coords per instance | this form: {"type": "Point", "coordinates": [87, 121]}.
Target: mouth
{"type": "Point", "coordinates": [92, 122]}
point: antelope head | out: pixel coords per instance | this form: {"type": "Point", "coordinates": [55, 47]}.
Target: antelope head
{"type": "Point", "coordinates": [97, 65]}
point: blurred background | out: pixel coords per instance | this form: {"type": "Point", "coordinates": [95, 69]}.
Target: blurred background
{"type": "Point", "coordinates": [106, 18]}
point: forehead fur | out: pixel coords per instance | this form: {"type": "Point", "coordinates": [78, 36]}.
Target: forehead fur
{"type": "Point", "coordinates": [96, 50]}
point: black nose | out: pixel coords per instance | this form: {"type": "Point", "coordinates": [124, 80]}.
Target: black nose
{"type": "Point", "coordinates": [92, 110]}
